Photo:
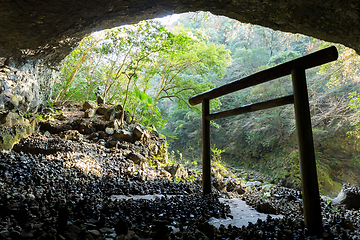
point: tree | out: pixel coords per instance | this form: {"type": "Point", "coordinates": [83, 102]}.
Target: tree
{"type": "Point", "coordinates": [129, 60]}
{"type": "Point", "coordinates": [73, 64]}
{"type": "Point", "coordinates": [193, 57]}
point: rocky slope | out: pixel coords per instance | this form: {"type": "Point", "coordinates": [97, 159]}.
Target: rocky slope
{"type": "Point", "coordinates": [59, 183]}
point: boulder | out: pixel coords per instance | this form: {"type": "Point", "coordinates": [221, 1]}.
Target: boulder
{"type": "Point", "coordinates": [233, 186]}
{"type": "Point", "coordinates": [165, 174]}
{"type": "Point", "coordinates": [115, 125]}
{"type": "Point", "coordinates": [52, 127]}
{"type": "Point", "coordinates": [102, 110]}
{"type": "Point", "coordinates": [10, 119]}
{"type": "Point", "coordinates": [126, 116]}
{"type": "Point", "coordinates": [220, 185]}
{"type": "Point", "coordinates": [110, 114]}
{"type": "Point", "coordinates": [89, 105]}
{"type": "Point", "coordinates": [118, 108]}
{"type": "Point", "coordinates": [102, 134]}
{"type": "Point", "coordinates": [140, 133]}
{"type": "Point", "coordinates": [94, 136]}
{"type": "Point", "coordinates": [137, 158]}
{"type": "Point", "coordinates": [177, 171]}
{"type": "Point", "coordinates": [348, 196]}
{"type": "Point", "coordinates": [239, 190]}
{"type": "Point", "coordinates": [265, 207]}
{"type": "Point", "coordinates": [14, 128]}
{"type": "Point", "coordinates": [47, 110]}
{"type": "Point", "coordinates": [123, 135]}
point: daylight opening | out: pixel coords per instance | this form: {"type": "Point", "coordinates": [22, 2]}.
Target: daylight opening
{"type": "Point", "coordinates": [150, 69]}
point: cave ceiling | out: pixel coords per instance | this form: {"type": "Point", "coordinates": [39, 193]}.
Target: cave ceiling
{"type": "Point", "coordinates": [39, 28]}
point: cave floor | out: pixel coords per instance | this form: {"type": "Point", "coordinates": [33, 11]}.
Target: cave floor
{"type": "Point", "coordinates": [242, 214]}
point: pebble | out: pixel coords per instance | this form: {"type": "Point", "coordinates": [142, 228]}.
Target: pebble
{"type": "Point", "coordinates": [64, 191]}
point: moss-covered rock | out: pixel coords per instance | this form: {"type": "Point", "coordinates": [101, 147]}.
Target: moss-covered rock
{"type": "Point", "coordinates": [14, 127]}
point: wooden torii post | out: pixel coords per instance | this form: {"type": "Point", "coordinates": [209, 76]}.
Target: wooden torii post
{"type": "Point", "coordinates": [297, 67]}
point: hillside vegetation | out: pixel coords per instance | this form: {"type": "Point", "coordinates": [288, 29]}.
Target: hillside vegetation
{"type": "Point", "coordinates": [152, 70]}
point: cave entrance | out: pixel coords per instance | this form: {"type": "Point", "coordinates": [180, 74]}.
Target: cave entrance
{"type": "Point", "coordinates": [297, 67]}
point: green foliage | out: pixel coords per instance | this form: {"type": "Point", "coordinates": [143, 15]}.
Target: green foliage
{"type": "Point", "coordinates": [153, 71]}
{"type": "Point", "coordinates": [265, 140]}
{"type": "Point", "coordinates": [40, 117]}
{"type": "Point", "coordinates": [354, 104]}
{"type": "Point", "coordinates": [283, 57]}
{"type": "Point", "coordinates": [140, 66]}
{"type": "Point", "coordinates": [216, 157]}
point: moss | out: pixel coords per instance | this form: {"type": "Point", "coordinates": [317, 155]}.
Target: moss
{"type": "Point", "coordinates": [11, 133]}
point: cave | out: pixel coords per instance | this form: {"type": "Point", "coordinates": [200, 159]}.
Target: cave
{"type": "Point", "coordinates": [37, 35]}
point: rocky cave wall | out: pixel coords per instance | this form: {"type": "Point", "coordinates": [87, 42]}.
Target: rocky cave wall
{"type": "Point", "coordinates": [38, 34]}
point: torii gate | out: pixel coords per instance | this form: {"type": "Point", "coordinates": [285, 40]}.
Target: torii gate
{"type": "Point", "coordinates": [297, 67]}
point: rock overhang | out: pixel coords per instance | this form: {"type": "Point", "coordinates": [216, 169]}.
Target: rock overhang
{"type": "Point", "coordinates": [34, 29]}
{"type": "Point", "coordinates": [37, 34]}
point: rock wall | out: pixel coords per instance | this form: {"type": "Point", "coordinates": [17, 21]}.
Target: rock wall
{"type": "Point", "coordinates": [23, 87]}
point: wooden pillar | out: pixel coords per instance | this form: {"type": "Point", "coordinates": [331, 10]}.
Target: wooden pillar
{"type": "Point", "coordinates": [206, 164]}
{"type": "Point", "coordinates": [309, 180]}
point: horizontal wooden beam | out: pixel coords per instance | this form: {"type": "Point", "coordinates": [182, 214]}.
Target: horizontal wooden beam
{"type": "Point", "coordinates": [252, 107]}
{"type": "Point", "coordinates": [309, 61]}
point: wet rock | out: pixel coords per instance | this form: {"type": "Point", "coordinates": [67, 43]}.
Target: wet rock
{"type": "Point", "coordinates": [15, 235]}
{"type": "Point", "coordinates": [4, 234]}
{"type": "Point", "coordinates": [87, 236]}
{"type": "Point", "coordinates": [107, 230]}
{"type": "Point", "coordinates": [27, 234]}
{"type": "Point", "coordinates": [348, 196]}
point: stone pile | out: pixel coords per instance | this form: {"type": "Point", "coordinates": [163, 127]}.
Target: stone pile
{"type": "Point", "coordinates": [62, 185]}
